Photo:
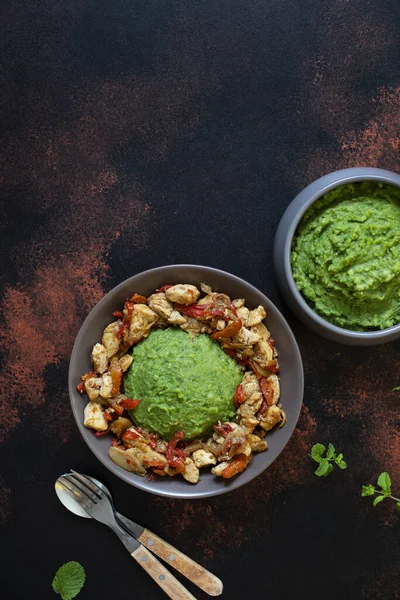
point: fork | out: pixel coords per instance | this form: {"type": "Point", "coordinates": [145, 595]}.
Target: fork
{"type": "Point", "coordinates": [99, 508]}
{"type": "Point", "coordinates": [197, 574]}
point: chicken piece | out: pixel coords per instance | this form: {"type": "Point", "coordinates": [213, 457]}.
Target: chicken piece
{"type": "Point", "coordinates": [235, 443]}
{"type": "Point", "coordinates": [109, 340]}
{"type": "Point", "coordinates": [274, 388]}
{"type": "Point", "coordinates": [202, 458]}
{"type": "Point", "coordinates": [195, 327]}
{"type": "Point", "coordinates": [238, 302]}
{"type": "Point", "coordinates": [176, 318]}
{"type": "Point", "coordinates": [256, 316]}
{"type": "Point", "coordinates": [219, 468]}
{"type": "Point", "coordinates": [161, 305]}
{"type": "Point", "coordinates": [182, 293]}
{"type": "Point", "coordinates": [249, 423]}
{"type": "Point", "coordinates": [106, 386]}
{"type": "Point", "coordinates": [220, 325]}
{"type": "Point", "coordinates": [246, 337]}
{"type": "Point", "coordinates": [272, 418]}
{"type": "Point", "coordinates": [207, 289]}
{"type": "Point", "coordinates": [243, 314]}
{"type": "Point", "coordinates": [120, 425]}
{"type": "Point", "coordinates": [250, 385]}
{"type": "Point", "coordinates": [94, 417]}
{"type": "Point", "coordinates": [125, 459]}
{"type": "Point", "coordinates": [256, 401]}
{"type": "Point", "coordinates": [256, 443]}
{"type": "Point", "coordinates": [142, 319]}
{"type": "Point", "coordinates": [191, 472]}
{"type": "Point", "coordinates": [99, 358]}
{"type": "Point", "coordinates": [264, 353]}
{"type": "Point", "coordinates": [125, 361]}
{"type": "Point", "coordinates": [92, 388]}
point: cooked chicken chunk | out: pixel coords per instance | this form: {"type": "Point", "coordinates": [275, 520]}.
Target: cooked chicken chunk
{"type": "Point", "coordinates": [126, 460]}
{"type": "Point", "coordinates": [143, 318]}
{"type": "Point", "coordinates": [110, 340]}
{"type": "Point", "coordinates": [274, 388]}
{"type": "Point", "coordinates": [247, 337]}
{"type": "Point", "coordinates": [92, 388]}
{"type": "Point", "coordinates": [94, 417]}
{"type": "Point", "coordinates": [219, 468]}
{"type": "Point", "coordinates": [202, 458]}
{"type": "Point", "coordinates": [256, 443]}
{"type": "Point", "coordinates": [182, 293]}
{"type": "Point", "coordinates": [238, 302]}
{"type": "Point", "coordinates": [161, 305]}
{"type": "Point", "coordinates": [125, 361]}
{"type": "Point", "coordinates": [272, 418]}
{"type": "Point", "coordinates": [176, 318]}
{"type": "Point", "coordinates": [243, 314]}
{"type": "Point", "coordinates": [99, 358]}
{"type": "Point", "coordinates": [256, 316]}
{"type": "Point", "coordinates": [106, 386]}
{"type": "Point", "coordinates": [120, 425]}
{"type": "Point", "coordinates": [191, 472]}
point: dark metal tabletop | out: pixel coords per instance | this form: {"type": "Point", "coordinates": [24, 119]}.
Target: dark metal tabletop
{"type": "Point", "coordinates": [135, 134]}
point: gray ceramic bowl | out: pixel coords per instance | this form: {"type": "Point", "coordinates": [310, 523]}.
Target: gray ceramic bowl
{"type": "Point", "coordinates": [282, 264]}
{"type": "Point", "coordinates": [289, 357]}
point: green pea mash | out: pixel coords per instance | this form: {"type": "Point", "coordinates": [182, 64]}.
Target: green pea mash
{"type": "Point", "coordinates": [184, 383]}
{"type": "Point", "coordinates": [346, 256]}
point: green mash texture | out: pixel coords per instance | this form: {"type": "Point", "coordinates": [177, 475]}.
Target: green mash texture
{"type": "Point", "coordinates": [346, 256]}
{"type": "Point", "coordinates": [184, 383]}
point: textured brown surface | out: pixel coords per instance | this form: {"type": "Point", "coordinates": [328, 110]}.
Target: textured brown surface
{"type": "Point", "coordinates": [138, 134]}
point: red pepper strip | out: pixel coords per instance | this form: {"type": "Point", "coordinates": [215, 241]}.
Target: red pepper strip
{"type": "Point", "coordinates": [127, 320]}
{"type": "Point", "coordinates": [223, 429]}
{"type": "Point", "coordinates": [100, 433]}
{"type": "Point", "coordinates": [81, 387]}
{"type": "Point", "coordinates": [234, 311]}
{"type": "Point", "coordinates": [130, 404]}
{"type": "Point", "coordinates": [193, 310]}
{"type": "Point", "coordinates": [266, 390]}
{"type": "Point", "coordinates": [238, 464]}
{"type": "Point", "coordinates": [159, 472]}
{"type": "Point", "coordinates": [271, 343]}
{"type": "Point", "coordinates": [108, 416]}
{"type": "Point", "coordinates": [175, 456]}
{"type": "Point", "coordinates": [130, 435]}
{"type": "Point", "coordinates": [138, 299]}
{"type": "Point", "coordinates": [157, 464]}
{"type": "Point", "coordinates": [239, 396]}
{"type": "Point", "coordinates": [116, 373]}
{"type": "Point", "coordinates": [118, 314]}
{"type": "Point", "coordinates": [115, 443]}
{"type": "Point", "coordinates": [163, 288]}
{"type": "Point", "coordinates": [229, 331]}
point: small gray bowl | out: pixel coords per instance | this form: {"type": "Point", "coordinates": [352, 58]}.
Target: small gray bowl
{"type": "Point", "coordinates": [282, 263]}
{"type": "Point", "coordinates": [291, 375]}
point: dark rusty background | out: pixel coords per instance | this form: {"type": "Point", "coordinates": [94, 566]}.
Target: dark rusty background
{"type": "Point", "coordinates": [135, 134]}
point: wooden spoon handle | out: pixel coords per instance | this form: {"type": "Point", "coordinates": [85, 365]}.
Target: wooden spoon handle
{"type": "Point", "coordinates": [171, 586]}
{"type": "Point", "coordinates": [197, 574]}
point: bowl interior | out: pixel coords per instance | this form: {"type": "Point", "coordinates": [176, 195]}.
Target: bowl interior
{"type": "Point", "coordinates": [289, 357]}
{"type": "Point", "coordinates": [304, 201]}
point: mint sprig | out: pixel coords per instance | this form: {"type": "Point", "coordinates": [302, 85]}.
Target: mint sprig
{"type": "Point", "coordinates": [384, 491]}
{"type": "Point", "coordinates": [326, 459]}
{"type": "Point", "coordinates": [69, 580]}
{"type": "Point", "coordinates": [396, 389]}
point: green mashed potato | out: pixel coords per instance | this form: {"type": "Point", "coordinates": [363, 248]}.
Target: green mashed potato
{"type": "Point", "coordinates": [346, 256]}
{"type": "Point", "coordinates": [184, 383]}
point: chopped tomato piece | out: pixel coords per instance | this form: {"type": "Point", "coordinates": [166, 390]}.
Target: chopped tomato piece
{"type": "Point", "coordinates": [130, 435]}
{"type": "Point", "coordinates": [81, 387]}
{"type": "Point", "coordinates": [266, 390]}
{"type": "Point", "coordinates": [238, 464]}
{"type": "Point", "coordinates": [239, 396]}
{"type": "Point", "coordinates": [271, 343]}
{"type": "Point", "coordinates": [116, 373]}
{"type": "Point", "coordinates": [138, 299]}
{"type": "Point", "coordinates": [157, 464]}
{"type": "Point", "coordinates": [163, 288]}
{"type": "Point", "coordinates": [130, 404]}
{"type": "Point", "coordinates": [115, 443]}
{"type": "Point", "coordinates": [118, 314]}
{"type": "Point", "coordinates": [89, 375]}
{"type": "Point", "coordinates": [100, 433]}
{"type": "Point", "coordinates": [230, 331]}
{"type": "Point", "coordinates": [129, 306]}
{"type": "Point", "coordinates": [223, 429]}
{"type": "Point", "coordinates": [175, 456]}
{"type": "Point", "coordinates": [108, 416]}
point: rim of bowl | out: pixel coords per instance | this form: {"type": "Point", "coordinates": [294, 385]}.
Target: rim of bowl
{"type": "Point", "coordinates": [328, 182]}
{"type": "Point", "coordinates": [140, 482]}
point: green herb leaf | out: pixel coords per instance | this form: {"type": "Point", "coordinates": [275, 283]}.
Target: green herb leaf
{"type": "Point", "coordinates": [385, 483]}
{"type": "Point", "coordinates": [317, 451]}
{"type": "Point", "coordinates": [324, 469]}
{"type": "Point", "coordinates": [342, 464]}
{"type": "Point", "coordinates": [331, 451]}
{"type": "Point", "coordinates": [69, 580]}
{"type": "Point", "coordinates": [367, 490]}
{"type": "Point", "coordinates": [378, 499]}
{"type": "Point", "coordinates": [396, 389]}
{"type": "Point", "coordinates": [398, 506]}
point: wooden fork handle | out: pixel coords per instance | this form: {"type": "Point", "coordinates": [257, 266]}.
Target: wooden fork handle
{"type": "Point", "coordinates": [171, 586]}
{"type": "Point", "coordinates": [197, 574]}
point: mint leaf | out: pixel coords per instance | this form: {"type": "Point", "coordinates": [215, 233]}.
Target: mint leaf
{"type": "Point", "coordinates": [378, 499]}
{"type": "Point", "coordinates": [324, 469]}
{"type": "Point", "coordinates": [398, 506]}
{"type": "Point", "coordinates": [331, 452]}
{"type": "Point", "coordinates": [69, 580]}
{"type": "Point", "coordinates": [385, 483]}
{"type": "Point", "coordinates": [342, 464]}
{"type": "Point", "coordinates": [396, 389]}
{"type": "Point", "coordinates": [367, 490]}
{"type": "Point", "coordinates": [317, 451]}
